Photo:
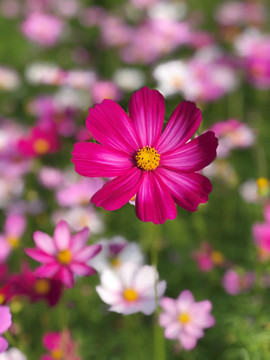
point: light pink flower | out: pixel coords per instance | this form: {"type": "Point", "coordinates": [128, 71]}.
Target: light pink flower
{"type": "Point", "coordinates": [105, 90]}
{"type": "Point", "coordinates": [13, 354]}
{"type": "Point", "coordinates": [261, 234]}
{"type": "Point", "coordinates": [160, 168]}
{"type": "Point", "coordinates": [131, 289]}
{"type": "Point", "coordinates": [207, 258]}
{"type": "Point", "coordinates": [235, 282]}
{"type": "Point", "coordinates": [43, 29]}
{"type": "Point", "coordinates": [63, 255]}
{"type": "Point", "coordinates": [5, 323]}
{"type": "Point", "coordinates": [184, 319]}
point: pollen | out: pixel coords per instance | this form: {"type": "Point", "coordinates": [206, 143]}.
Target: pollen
{"type": "Point", "coordinates": [64, 257]}
{"type": "Point", "coordinates": [147, 158]}
{"type": "Point", "coordinates": [42, 286]}
{"type": "Point", "coordinates": [130, 295]}
{"type": "Point", "coordinates": [41, 146]}
{"type": "Point", "coordinates": [184, 318]}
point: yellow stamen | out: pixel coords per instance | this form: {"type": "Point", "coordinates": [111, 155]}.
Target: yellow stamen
{"type": "Point", "coordinates": [2, 298]}
{"type": "Point", "coordinates": [130, 295]}
{"type": "Point", "coordinates": [64, 257]}
{"type": "Point", "coordinates": [147, 158]}
{"type": "Point", "coordinates": [184, 318]}
{"type": "Point", "coordinates": [262, 183]}
{"type": "Point", "coordinates": [13, 241]}
{"type": "Point", "coordinates": [42, 286]}
{"type": "Point", "coordinates": [41, 146]}
{"type": "Point", "coordinates": [57, 354]}
{"type": "Point", "coordinates": [116, 262]}
{"type": "Point", "coordinates": [217, 257]}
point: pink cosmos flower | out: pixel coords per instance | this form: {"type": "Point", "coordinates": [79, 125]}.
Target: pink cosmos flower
{"type": "Point", "coordinates": [235, 282]}
{"type": "Point", "coordinates": [131, 289]}
{"type": "Point", "coordinates": [160, 168]}
{"type": "Point", "coordinates": [5, 323]}
{"type": "Point", "coordinates": [63, 255]}
{"type": "Point", "coordinates": [261, 234]}
{"type": "Point", "coordinates": [184, 319]}
{"type": "Point", "coordinates": [207, 258]}
{"type": "Point", "coordinates": [60, 346]}
{"type": "Point", "coordinates": [13, 354]}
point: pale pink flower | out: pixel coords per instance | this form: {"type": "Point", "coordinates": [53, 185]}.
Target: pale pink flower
{"type": "Point", "coordinates": [63, 256]}
{"type": "Point", "coordinates": [235, 282]}
{"type": "Point", "coordinates": [12, 354]}
{"type": "Point", "coordinates": [261, 234]}
{"type": "Point", "coordinates": [131, 289]}
{"type": "Point", "coordinates": [105, 90]}
{"type": "Point", "coordinates": [5, 323]}
{"type": "Point", "coordinates": [184, 319]}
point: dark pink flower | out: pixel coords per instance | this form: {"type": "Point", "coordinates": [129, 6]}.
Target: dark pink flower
{"type": "Point", "coordinates": [60, 346]}
{"type": "Point", "coordinates": [160, 168]}
{"type": "Point", "coordinates": [63, 255]}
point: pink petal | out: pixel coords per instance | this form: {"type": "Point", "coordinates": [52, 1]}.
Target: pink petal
{"type": "Point", "coordinates": [185, 301]}
{"type": "Point", "coordinates": [181, 126]}
{"type": "Point", "coordinates": [153, 201]}
{"type": "Point", "coordinates": [110, 125]}
{"type": "Point", "coordinates": [15, 225]}
{"type": "Point", "coordinates": [147, 110]}
{"type": "Point", "coordinates": [109, 296]}
{"type": "Point", "coordinates": [5, 317]}
{"type": "Point", "coordinates": [62, 235]}
{"type": "Point", "coordinates": [193, 156]}
{"type": "Point", "coordinates": [87, 253]}
{"type": "Point", "coordinates": [169, 305]}
{"type": "Point", "coordinates": [81, 269]}
{"type": "Point", "coordinates": [3, 344]}
{"type": "Point", "coordinates": [188, 342]}
{"type": "Point", "coordinates": [187, 190]}
{"type": "Point", "coordinates": [39, 255]}
{"type": "Point", "coordinates": [99, 160]}
{"type": "Point", "coordinates": [118, 191]}
{"type": "Point", "coordinates": [47, 270]}
{"type": "Point", "coordinates": [172, 330]}
{"type": "Point", "coordinates": [44, 242]}
{"type": "Point", "coordinates": [79, 240]}
{"type": "Point", "coordinates": [66, 277]}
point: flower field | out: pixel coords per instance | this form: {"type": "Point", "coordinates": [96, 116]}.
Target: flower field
{"type": "Point", "coordinates": [134, 180]}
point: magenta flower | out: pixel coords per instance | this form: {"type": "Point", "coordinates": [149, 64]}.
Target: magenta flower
{"type": "Point", "coordinates": [63, 256]}
{"type": "Point", "coordinates": [235, 282]}
{"type": "Point", "coordinates": [184, 319]}
{"type": "Point", "coordinates": [60, 346]}
{"type": "Point", "coordinates": [160, 168]}
{"type": "Point", "coordinates": [5, 323]}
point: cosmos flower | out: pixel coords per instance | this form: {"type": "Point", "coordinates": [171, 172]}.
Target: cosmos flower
{"type": "Point", "coordinates": [131, 289]}
{"type": "Point", "coordinates": [13, 354]}
{"type": "Point", "coordinates": [184, 319]}
{"type": "Point", "coordinates": [63, 255]}
{"type": "Point", "coordinates": [60, 346]}
{"type": "Point", "coordinates": [5, 323]}
{"type": "Point", "coordinates": [236, 281]}
{"type": "Point", "coordinates": [160, 168]}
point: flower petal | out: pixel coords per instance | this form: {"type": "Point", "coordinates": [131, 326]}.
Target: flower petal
{"type": "Point", "coordinates": [193, 156]}
{"type": "Point", "coordinates": [66, 277]}
{"type": "Point", "coordinates": [118, 191]}
{"type": "Point", "coordinates": [62, 235]}
{"type": "Point", "coordinates": [39, 255]}
{"type": "Point", "coordinates": [47, 270]}
{"type": "Point", "coordinates": [182, 124]}
{"type": "Point", "coordinates": [81, 269]}
{"type": "Point", "coordinates": [110, 125]}
{"type": "Point", "coordinates": [5, 317]}
{"type": "Point", "coordinates": [147, 111]}
{"type": "Point", "coordinates": [79, 240]}
{"type": "Point", "coordinates": [87, 253]}
{"type": "Point", "coordinates": [44, 242]}
{"type": "Point", "coordinates": [3, 344]}
{"type": "Point", "coordinates": [187, 190]}
{"type": "Point", "coordinates": [99, 160]}
{"type": "Point", "coordinates": [153, 200]}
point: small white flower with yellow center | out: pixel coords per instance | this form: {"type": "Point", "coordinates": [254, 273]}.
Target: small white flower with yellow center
{"type": "Point", "coordinates": [132, 289]}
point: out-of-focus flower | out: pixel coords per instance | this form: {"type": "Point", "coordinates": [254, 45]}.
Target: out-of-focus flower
{"type": "Point", "coordinates": [11, 188]}
{"type": "Point", "coordinates": [222, 170]}
{"type": "Point", "coordinates": [131, 289]}
{"type": "Point", "coordinates": [255, 191]}
{"type": "Point", "coordinates": [129, 79]}
{"type": "Point", "coordinates": [79, 216]}
{"type": "Point", "coordinates": [50, 177]}
{"type": "Point", "coordinates": [261, 234]}
{"type": "Point", "coordinates": [44, 73]}
{"type": "Point", "coordinates": [43, 29]}
{"type": "Point", "coordinates": [9, 79]}
{"type": "Point", "coordinates": [5, 323]}
{"type": "Point", "coordinates": [13, 230]}
{"type": "Point", "coordinates": [39, 142]}
{"type": "Point", "coordinates": [207, 258]}
{"type": "Point", "coordinates": [232, 134]}
{"type": "Point", "coordinates": [10, 8]}
{"type": "Point", "coordinates": [115, 253]}
{"type": "Point", "coordinates": [141, 4]}
{"type": "Point", "coordinates": [160, 168]}
{"type": "Point", "coordinates": [63, 255]}
{"type": "Point", "coordinates": [184, 319]}
{"type": "Point", "coordinates": [60, 346]}
{"type": "Point", "coordinates": [105, 90]}
{"type": "Point", "coordinates": [235, 282]}
{"type": "Point", "coordinates": [13, 354]}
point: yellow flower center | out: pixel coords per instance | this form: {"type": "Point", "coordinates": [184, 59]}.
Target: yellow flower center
{"type": "Point", "coordinates": [262, 183]}
{"type": "Point", "coordinates": [41, 146]}
{"type": "Point", "coordinates": [64, 257]}
{"type": "Point", "coordinates": [184, 318]}
{"type": "Point", "coordinates": [115, 262]}
{"type": "Point", "coordinates": [130, 295]}
{"type": "Point", "coordinates": [2, 298]}
{"type": "Point", "coordinates": [147, 158]}
{"type": "Point", "coordinates": [57, 354]}
{"type": "Point", "coordinates": [13, 241]}
{"type": "Point", "coordinates": [42, 286]}
{"type": "Point", "coordinates": [217, 257]}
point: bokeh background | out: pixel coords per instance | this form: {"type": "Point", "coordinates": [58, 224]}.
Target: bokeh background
{"type": "Point", "coordinates": [60, 57]}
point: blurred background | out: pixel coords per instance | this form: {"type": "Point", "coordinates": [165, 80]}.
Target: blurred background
{"type": "Point", "coordinates": [60, 57]}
